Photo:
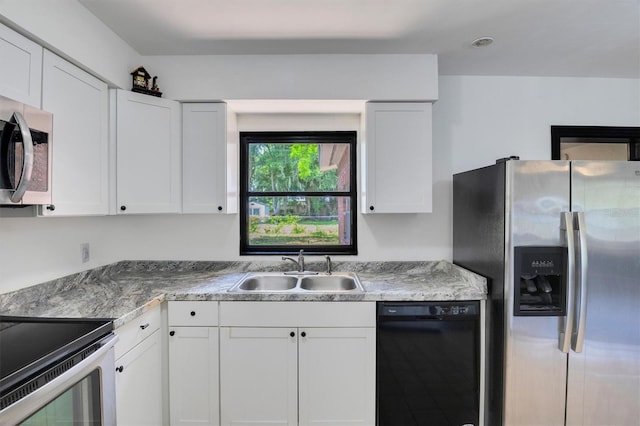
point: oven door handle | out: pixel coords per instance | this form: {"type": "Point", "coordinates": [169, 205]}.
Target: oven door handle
{"type": "Point", "coordinates": [103, 359]}
{"type": "Point", "coordinates": [27, 161]}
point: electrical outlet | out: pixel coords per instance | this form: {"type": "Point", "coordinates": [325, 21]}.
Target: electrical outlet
{"type": "Point", "coordinates": [85, 252]}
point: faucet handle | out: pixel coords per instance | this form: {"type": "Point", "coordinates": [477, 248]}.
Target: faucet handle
{"type": "Point", "coordinates": [301, 260]}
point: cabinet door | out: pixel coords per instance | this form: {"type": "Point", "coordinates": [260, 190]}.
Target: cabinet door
{"type": "Point", "coordinates": [21, 70]}
{"type": "Point", "coordinates": [79, 103]}
{"type": "Point", "coordinates": [148, 154]}
{"type": "Point", "coordinates": [139, 384]}
{"type": "Point", "coordinates": [193, 376]}
{"type": "Point", "coordinates": [397, 155]}
{"type": "Point", "coordinates": [209, 157]}
{"type": "Point", "coordinates": [337, 376]}
{"type": "Point", "coordinates": [258, 376]}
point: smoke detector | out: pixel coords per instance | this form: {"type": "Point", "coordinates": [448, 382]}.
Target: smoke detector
{"type": "Point", "coordinates": [482, 41]}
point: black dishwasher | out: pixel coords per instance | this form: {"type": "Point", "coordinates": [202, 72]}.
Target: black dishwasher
{"type": "Point", "coordinates": [428, 363]}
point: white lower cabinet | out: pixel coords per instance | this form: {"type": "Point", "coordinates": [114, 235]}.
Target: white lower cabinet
{"type": "Point", "coordinates": [300, 373]}
{"type": "Point", "coordinates": [258, 376]}
{"type": "Point", "coordinates": [193, 363]}
{"type": "Point", "coordinates": [139, 372]}
{"type": "Point", "coordinates": [336, 368]}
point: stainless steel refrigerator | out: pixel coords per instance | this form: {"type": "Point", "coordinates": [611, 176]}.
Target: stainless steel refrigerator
{"type": "Point", "coordinates": [559, 243]}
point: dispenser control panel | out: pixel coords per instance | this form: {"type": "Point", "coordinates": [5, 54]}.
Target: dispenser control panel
{"type": "Point", "coordinates": [540, 281]}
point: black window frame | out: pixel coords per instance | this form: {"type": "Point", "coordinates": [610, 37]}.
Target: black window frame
{"type": "Point", "coordinates": [297, 137]}
{"type": "Point", "coordinates": [596, 134]}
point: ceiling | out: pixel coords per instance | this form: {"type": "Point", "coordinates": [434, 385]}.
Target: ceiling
{"type": "Point", "coordinates": [587, 38]}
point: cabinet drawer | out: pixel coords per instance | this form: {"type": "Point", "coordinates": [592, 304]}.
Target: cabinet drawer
{"type": "Point", "coordinates": [298, 314]}
{"type": "Point", "coordinates": [136, 330]}
{"type": "Point", "coordinates": [193, 314]}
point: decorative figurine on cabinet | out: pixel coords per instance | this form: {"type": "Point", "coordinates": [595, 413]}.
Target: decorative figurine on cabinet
{"type": "Point", "coordinates": [140, 78]}
{"type": "Point", "coordinates": [154, 86]}
{"type": "Point", "coordinates": [141, 84]}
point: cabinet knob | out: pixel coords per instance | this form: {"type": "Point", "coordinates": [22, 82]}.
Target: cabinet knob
{"type": "Point", "coordinates": [172, 333]}
{"type": "Point", "coordinates": [371, 208]}
{"type": "Point", "coordinates": [303, 334]}
{"type": "Point", "coordinates": [143, 326]}
{"type": "Point", "coordinates": [51, 207]}
{"type": "Point", "coordinates": [119, 369]}
{"type": "Point", "coordinates": [292, 334]}
{"type": "Point", "coordinates": [193, 313]}
{"type": "Point", "coordinates": [219, 208]}
{"type": "Point", "coordinates": [123, 208]}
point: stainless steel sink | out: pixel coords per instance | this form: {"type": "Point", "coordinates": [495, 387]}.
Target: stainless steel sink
{"type": "Point", "coordinates": [268, 283]}
{"type": "Point", "coordinates": [328, 283]}
{"type": "Point", "coordinates": [276, 282]}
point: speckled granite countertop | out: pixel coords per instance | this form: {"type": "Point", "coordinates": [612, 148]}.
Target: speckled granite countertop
{"type": "Point", "coordinates": [124, 290]}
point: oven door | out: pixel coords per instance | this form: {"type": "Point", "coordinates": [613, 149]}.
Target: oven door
{"type": "Point", "coordinates": [84, 394]}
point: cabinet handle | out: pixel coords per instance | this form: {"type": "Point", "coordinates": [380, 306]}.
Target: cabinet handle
{"type": "Point", "coordinates": [219, 208]}
{"type": "Point", "coordinates": [143, 326]}
{"type": "Point", "coordinates": [303, 334]}
{"type": "Point", "coordinates": [193, 313]}
{"type": "Point", "coordinates": [123, 208]}
{"type": "Point", "coordinates": [371, 208]}
{"type": "Point", "coordinates": [172, 333]}
{"type": "Point", "coordinates": [119, 369]}
{"type": "Point", "coordinates": [51, 207]}
{"type": "Point", "coordinates": [292, 334]}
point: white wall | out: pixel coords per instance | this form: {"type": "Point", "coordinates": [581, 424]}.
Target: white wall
{"type": "Point", "coordinates": [485, 118]}
{"type": "Point", "coordinates": [68, 29]}
{"type": "Point", "coordinates": [367, 77]}
{"type": "Point", "coordinates": [476, 120]}
{"type": "Point", "coordinates": [33, 250]}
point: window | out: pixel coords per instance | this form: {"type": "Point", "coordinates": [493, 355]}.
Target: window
{"type": "Point", "coordinates": [595, 143]}
{"type": "Point", "coordinates": [298, 191]}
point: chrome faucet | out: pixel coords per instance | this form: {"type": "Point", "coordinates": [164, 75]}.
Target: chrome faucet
{"type": "Point", "coordinates": [299, 262]}
{"type": "Point", "coordinates": [328, 259]}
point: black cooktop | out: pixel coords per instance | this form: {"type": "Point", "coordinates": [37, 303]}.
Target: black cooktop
{"type": "Point", "coordinates": [28, 345]}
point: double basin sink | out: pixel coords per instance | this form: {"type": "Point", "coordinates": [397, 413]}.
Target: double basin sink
{"type": "Point", "coordinates": [270, 282]}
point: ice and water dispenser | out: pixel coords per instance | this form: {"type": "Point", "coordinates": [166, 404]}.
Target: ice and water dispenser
{"type": "Point", "coordinates": [540, 281]}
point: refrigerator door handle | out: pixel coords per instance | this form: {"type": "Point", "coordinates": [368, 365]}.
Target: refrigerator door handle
{"type": "Point", "coordinates": [577, 338]}
{"type": "Point", "coordinates": [566, 322]}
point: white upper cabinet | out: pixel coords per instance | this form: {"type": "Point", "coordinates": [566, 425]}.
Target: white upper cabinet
{"type": "Point", "coordinates": [397, 157]}
{"type": "Point", "coordinates": [80, 106]}
{"type": "Point", "coordinates": [148, 160]}
{"type": "Point", "coordinates": [21, 68]}
{"type": "Point", "coordinates": [209, 159]}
